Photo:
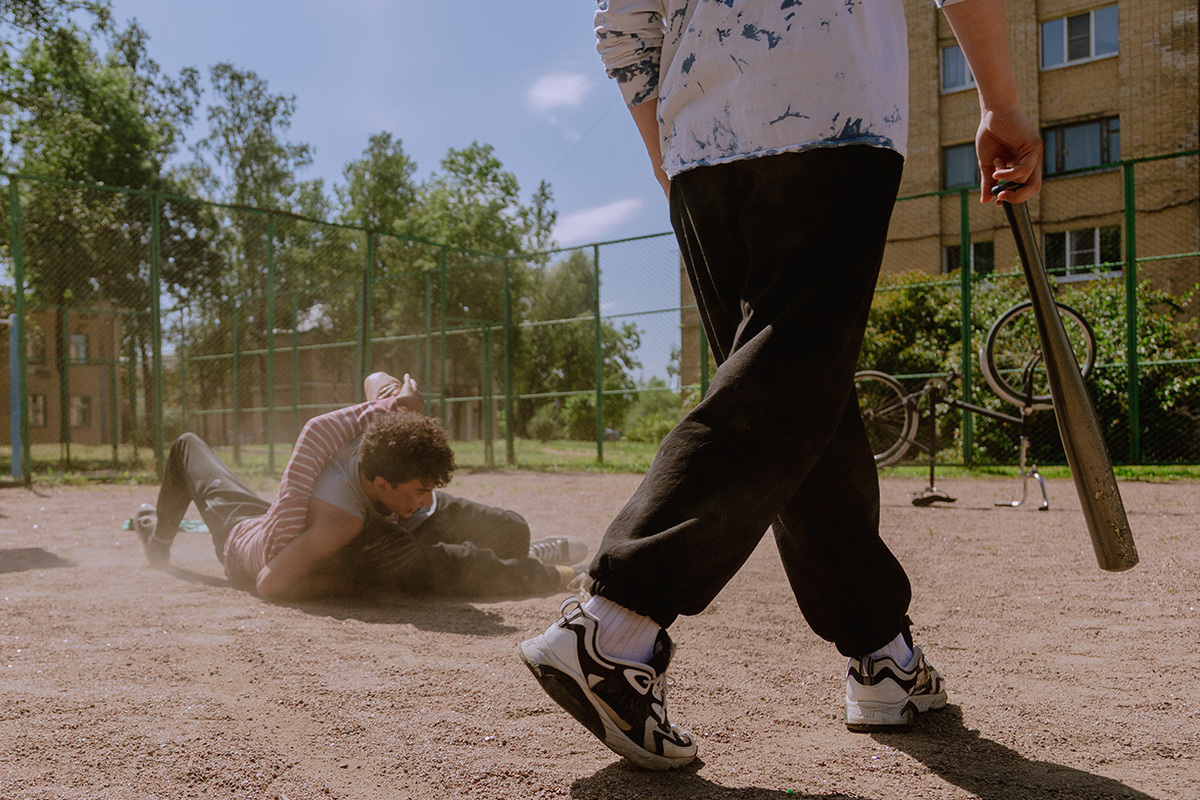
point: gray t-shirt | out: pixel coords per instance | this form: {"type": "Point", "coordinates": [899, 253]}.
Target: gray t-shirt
{"type": "Point", "coordinates": [339, 486]}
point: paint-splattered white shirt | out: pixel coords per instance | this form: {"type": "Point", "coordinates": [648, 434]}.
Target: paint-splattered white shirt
{"type": "Point", "coordinates": [739, 79]}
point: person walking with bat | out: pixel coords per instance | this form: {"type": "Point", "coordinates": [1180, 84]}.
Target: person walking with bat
{"type": "Point", "coordinates": [778, 132]}
{"type": "Point", "coordinates": [359, 508]}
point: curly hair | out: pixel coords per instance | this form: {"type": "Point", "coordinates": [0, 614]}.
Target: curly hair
{"type": "Point", "coordinates": [404, 445]}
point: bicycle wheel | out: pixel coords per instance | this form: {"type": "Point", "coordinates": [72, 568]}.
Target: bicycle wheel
{"type": "Point", "coordinates": [1012, 357]}
{"type": "Point", "coordinates": [889, 419]}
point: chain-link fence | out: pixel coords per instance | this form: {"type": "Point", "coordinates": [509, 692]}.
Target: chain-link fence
{"type": "Point", "coordinates": [137, 316]}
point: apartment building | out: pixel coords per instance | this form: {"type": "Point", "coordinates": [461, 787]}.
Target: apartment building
{"type": "Point", "coordinates": [1103, 81]}
{"type": "Point", "coordinates": [91, 401]}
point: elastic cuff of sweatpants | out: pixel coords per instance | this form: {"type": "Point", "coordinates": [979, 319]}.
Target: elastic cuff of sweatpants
{"type": "Point", "coordinates": [664, 619]}
{"type": "Point", "coordinates": [870, 641]}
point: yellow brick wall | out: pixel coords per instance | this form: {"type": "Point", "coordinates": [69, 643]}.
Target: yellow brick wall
{"type": "Point", "coordinates": [1151, 84]}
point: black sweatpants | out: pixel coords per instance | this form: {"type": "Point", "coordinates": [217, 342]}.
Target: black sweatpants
{"type": "Point", "coordinates": [783, 253]}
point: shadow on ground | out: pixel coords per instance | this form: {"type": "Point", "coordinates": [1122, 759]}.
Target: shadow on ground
{"type": "Point", "coordinates": [631, 783]}
{"type": "Point", "coordinates": [990, 771]}
{"type": "Point", "coordinates": [22, 559]}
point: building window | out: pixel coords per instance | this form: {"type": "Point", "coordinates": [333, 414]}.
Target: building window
{"type": "Point", "coordinates": [960, 167]}
{"type": "Point", "coordinates": [1083, 37]}
{"type": "Point", "coordinates": [956, 75]}
{"type": "Point", "coordinates": [81, 412]}
{"type": "Point", "coordinates": [1083, 145]}
{"type": "Point", "coordinates": [983, 258]}
{"type": "Point", "coordinates": [79, 347]}
{"type": "Point", "coordinates": [35, 345]}
{"type": "Point", "coordinates": [1086, 252]}
{"type": "Point", "coordinates": [37, 410]}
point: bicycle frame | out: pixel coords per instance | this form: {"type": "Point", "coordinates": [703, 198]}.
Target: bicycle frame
{"type": "Point", "coordinates": [934, 389]}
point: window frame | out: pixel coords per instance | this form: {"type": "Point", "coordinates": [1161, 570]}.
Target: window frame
{"type": "Point", "coordinates": [976, 246]}
{"type": "Point", "coordinates": [946, 151]}
{"type": "Point", "coordinates": [1065, 39]}
{"type": "Point", "coordinates": [81, 411]}
{"type": "Point", "coordinates": [1054, 138]}
{"type": "Point", "coordinates": [1070, 272]}
{"type": "Point", "coordinates": [76, 343]}
{"type": "Point", "coordinates": [37, 410]}
{"type": "Point", "coordinates": [970, 77]}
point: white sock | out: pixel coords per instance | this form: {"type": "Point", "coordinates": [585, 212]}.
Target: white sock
{"type": "Point", "coordinates": [898, 650]}
{"type": "Point", "coordinates": [622, 633]}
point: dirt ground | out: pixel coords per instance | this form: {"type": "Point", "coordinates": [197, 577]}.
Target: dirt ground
{"type": "Point", "coordinates": [121, 681]}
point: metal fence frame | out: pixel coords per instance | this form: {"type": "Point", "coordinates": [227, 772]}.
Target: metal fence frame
{"type": "Point", "coordinates": [493, 333]}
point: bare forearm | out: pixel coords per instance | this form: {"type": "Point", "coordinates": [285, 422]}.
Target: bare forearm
{"type": "Point", "coordinates": [1007, 143]}
{"type": "Point", "coordinates": [981, 27]}
{"type": "Point", "coordinates": [645, 116]}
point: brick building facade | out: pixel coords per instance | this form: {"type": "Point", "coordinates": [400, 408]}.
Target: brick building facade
{"type": "Point", "coordinates": [1109, 82]}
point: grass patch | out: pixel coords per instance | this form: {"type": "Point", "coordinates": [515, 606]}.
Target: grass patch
{"type": "Point", "coordinates": [261, 469]}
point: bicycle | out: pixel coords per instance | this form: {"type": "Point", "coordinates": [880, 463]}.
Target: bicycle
{"type": "Point", "coordinates": [1010, 361]}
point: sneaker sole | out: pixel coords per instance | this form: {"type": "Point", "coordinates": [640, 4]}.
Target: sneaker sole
{"type": "Point", "coordinates": [867, 717]}
{"type": "Point", "coordinates": [564, 685]}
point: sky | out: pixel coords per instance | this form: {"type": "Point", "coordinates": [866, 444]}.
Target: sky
{"type": "Point", "coordinates": [523, 77]}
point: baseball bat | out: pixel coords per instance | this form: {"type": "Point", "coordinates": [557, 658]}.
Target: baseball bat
{"type": "Point", "coordinates": [1083, 442]}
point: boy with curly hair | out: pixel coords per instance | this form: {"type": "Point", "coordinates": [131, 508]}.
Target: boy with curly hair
{"type": "Point", "coordinates": [359, 508]}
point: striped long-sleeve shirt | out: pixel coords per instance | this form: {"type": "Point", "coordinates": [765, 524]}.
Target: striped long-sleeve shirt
{"type": "Point", "coordinates": [254, 542]}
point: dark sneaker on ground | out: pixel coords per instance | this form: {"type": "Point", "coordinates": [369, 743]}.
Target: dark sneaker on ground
{"type": "Point", "coordinates": [555, 551]}
{"type": "Point", "coordinates": [145, 521]}
{"type": "Point", "coordinates": [622, 703]}
{"type": "Point", "coordinates": [882, 696]}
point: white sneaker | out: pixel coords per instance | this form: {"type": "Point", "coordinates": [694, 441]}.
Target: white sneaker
{"type": "Point", "coordinates": [881, 695]}
{"type": "Point", "coordinates": [622, 703]}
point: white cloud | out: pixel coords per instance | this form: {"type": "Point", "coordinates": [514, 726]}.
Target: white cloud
{"type": "Point", "coordinates": [558, 90]}
{"type": "Point", "coordinates": [593, 224]}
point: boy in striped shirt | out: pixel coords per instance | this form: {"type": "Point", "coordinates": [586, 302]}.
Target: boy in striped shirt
{"type": "Point", "coordinates": [374, 465]}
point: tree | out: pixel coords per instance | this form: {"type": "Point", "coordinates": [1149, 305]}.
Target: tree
{"type": "Point", "coordinates": [472, 205]}
{"type": "Point", "coordinates": [380, 189]}
{"type": "Point", "coordinates": [25, 21]}
{"type": "Point", "coordinates": [90, 247]}
{"type": "Point", "coordinates": [558, 350]}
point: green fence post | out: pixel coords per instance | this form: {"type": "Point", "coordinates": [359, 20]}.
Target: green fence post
{"type": "Point", "coordinates": [599, 355]}
{"type": "Point", "coordinates": [270, 392]}
{"type": "Point", "coordinates": [18, 330]}
{"type": "Point", "coordinates": [134, 416]}
{"type": "Point", "coordinates": [235, 405]}
{"type": "Point", "coordinates": [64, 388]}
{"type": "Point", "coordinates": [485, 397]}
{"type": "Point", "coordinates": [156, 326]}
{"type": "Point", "coordinates": [964, 268]}
{"type": "Point", "coordinates": [427, 374]}
{"type": "Point", "coordinates": [110, 375]}
{"type": "Point", "coordinates": [368, 310]}
{"type": "Point", "coordinates": [1131, 319]}
{"type": "Point", "coordinates": [704, 377]}
{"type": "Point", "coordinates": [510, 453]}
{"type": "Point", "coordinates": [442, 331]}
{"type": "Point", "coordinates": [295, 369]}
{"type": "Point", "coordinates": [183, 404]}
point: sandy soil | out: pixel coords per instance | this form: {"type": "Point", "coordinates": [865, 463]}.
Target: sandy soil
{"type": "Point", "coordinates": [121, 681]}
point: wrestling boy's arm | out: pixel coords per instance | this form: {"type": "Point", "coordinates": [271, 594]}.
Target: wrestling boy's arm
{"type": "Point", "coordinates": [292, 574]}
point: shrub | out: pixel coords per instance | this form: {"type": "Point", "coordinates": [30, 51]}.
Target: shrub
{"type": "Point", "coordinates": [915, 330]}
{"type": "Point", "coordinates": [653, 413]}
{"type": "Point", "coordinates": [546, 423]}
